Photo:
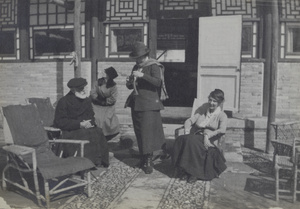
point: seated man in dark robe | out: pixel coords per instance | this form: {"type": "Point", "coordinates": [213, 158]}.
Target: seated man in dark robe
{"type": "Point", "coordinates": [74, 115]}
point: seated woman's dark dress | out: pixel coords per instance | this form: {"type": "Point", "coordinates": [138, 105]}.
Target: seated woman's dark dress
{"type": "Point", "coordinates": [189, 152]}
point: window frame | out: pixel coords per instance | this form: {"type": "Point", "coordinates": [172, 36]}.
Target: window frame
{"type": "Point", "coordinates": [288, 37]}
{"type": "Point", "coordinates": [112, 28]}
{"type": "Point", "coordinates": [51, 53]}
{"type": "Point", "coordinates": [248, 53]}
{"type": "Point", "coordinates": [13, 30]}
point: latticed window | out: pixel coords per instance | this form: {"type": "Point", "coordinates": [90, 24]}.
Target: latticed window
{"type": "Point", "coordinates": [9, 34]}
{"type": "Point", "coordinates": [51, 30]}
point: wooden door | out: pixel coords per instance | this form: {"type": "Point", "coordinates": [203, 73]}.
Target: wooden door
{"type": "Point", "coordinates": [219, 58]}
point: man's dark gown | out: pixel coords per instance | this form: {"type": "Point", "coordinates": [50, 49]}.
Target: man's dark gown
{"type": "Point", "coordinates": [70, 111]}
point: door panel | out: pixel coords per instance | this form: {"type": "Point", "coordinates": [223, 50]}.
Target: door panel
{"type": "Point", "coordinates": [219, 58]}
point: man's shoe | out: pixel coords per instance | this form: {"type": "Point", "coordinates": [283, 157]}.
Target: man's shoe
{"type": "Point", "coordinates": [184, 177]}
{"type": "Point", "coordinates": [192, 179]}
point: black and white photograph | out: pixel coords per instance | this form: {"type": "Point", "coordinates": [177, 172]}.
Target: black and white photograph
{"type": "Point", "coordinates": [150, 104]}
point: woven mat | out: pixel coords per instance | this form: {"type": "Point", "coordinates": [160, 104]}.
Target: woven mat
{"type": "Point", "coordinates": [180, 195]}
{"type": "Point", "coordinates": [111, 184]}
{"type": "Point", "coordinates": [105, 188]}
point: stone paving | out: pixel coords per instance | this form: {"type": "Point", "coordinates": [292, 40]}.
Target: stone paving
{"type": "Point", "coordinates": [247, 183]}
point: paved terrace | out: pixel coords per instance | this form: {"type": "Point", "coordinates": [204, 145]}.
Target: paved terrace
{"type": "Point", "coordinates": [247, 183]}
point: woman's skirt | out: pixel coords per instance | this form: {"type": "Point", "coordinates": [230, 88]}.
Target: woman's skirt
{"type": "Point", "coordinates": [106, 119]}
{"type": "Point", "coordinates": [148, 130]}
{"type": "Point", "coordinates": [190, 154]}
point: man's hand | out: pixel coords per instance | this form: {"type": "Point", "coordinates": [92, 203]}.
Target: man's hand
{"type": "Point", "coordinates": [86, 124]}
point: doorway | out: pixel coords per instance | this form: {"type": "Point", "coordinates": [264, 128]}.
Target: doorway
{"type": "Point", "coordinates": [177, 50]}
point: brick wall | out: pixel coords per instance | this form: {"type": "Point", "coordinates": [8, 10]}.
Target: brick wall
{"type": "Point", "coordinates": [288, 91]}
{"type": "Point", "coordinates": [19, 81]}
{"type": "Point", "coordinates": [251, 88]}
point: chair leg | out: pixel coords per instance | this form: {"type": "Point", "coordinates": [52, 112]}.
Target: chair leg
{"type": "Point", "coordinates": [276, 184]}
{"type": "Point", "coordinates": [4, 186]}
{"type": "Point", "coordinates": [89, 184]}
{"type": "Point", "coordinates": [295, 185]}
{"type": "Point", "coordinates": [47, 195]}
{"type": "Point", "coordinates": [295, 177]}
{"type": "Point", "coordinates": [37, 189]}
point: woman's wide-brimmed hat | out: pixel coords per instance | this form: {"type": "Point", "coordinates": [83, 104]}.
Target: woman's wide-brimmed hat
{"type": "Point", "coordinates": [111, 72]}
{"type": "Point", "coordinates": [139, 49]}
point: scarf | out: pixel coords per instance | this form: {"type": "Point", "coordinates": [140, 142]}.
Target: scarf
{"type": "Point", "coordinates": [163, 94]}
{"type": "Point", "coordinates": [209, 116]}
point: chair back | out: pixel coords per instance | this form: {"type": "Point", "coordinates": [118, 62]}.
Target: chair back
{"type": "Point", "coordinates": [199, 107]}
{"type": "Point", "coordinates": [25, 125]}
{"type": "Point", "coordinates": [45, 108]}
{"type": "Point", "coordinates": [285, 133]}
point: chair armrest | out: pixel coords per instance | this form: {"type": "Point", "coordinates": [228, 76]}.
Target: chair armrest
{"type": "Point", "coordinates": [72, 141]}
{"type": "Point", "coordinates": [284, 123]}
{"type": "Point", "coordinates": [48, 128]}
{"type": "Point", "coordinates": [285, 143]}
{"type": "Point", "coordinates": [19, 150]}
{"type": "Point", "coordinates": [69, 141]}
{"type": "Point", "coordinates": [177, 130]}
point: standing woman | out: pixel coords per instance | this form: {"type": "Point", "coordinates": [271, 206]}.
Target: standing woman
{"type": "Point", "coordinates": [104, 96]}
{"type": "Point", "coordinates": [195, 154]}
{"type": "Point", "coordinates": [144, 101]}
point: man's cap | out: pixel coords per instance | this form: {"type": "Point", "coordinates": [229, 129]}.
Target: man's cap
{"type": "Point", "coordinates": [77, 83]}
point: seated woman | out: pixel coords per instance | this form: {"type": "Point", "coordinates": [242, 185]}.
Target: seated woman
{"type": "Point", "coordinates": [104, 96]}
{"type": "Point", "coordinates": [194, 154]}
{"type": "Point", "coordinates": [74, 115]}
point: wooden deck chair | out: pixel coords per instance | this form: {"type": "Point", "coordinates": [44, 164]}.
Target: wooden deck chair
{"type": "Point", "coordinates": [32, 158]}
{"type": "Point", "coordinates": [286, 157]}
{"type": "Point", "coordinates": [198, 107]}
{"type": "Point", "coordinates": [46, 111]}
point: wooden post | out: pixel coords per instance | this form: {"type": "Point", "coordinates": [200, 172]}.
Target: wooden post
{"type": "Point", "coordinates": [23, 15]}
{"type": "Point", "coordinates": [94, 40]}
{"type": "Point", "coordinates": [152, 8]}
{"type": "Point", "coordinates": [267, 47]}
{"type": "Point", "coordinates": [273, 77]}
{"type": "Point", "coordinates": [77, 38]}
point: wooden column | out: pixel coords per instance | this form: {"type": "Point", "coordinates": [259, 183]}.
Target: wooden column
{"type": "Point", "coordinates": [273, 72]}
{"type": "Point", "coordinates": [152, 8]}
{"type": "Point", "coordinates": [267, 54]}
{"type": "Point", "coordinates": [23, 16]}
{"type": "Point", "coordinates": [94, 39]}
{"type": "Point", "coordinates": [77, 38]}
{"type": "Point", "coordinates": [102, 18]}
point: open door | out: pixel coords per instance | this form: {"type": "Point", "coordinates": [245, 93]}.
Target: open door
{"type": "Point", "coordinates": [219, 58]}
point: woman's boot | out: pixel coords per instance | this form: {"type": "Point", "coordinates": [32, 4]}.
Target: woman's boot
{"type": "Point", "coordinates": [148, 165]}
{"type": "Point", "coordinates": [142, 162]}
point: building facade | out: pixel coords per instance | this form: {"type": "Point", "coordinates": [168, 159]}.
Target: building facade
{"type": "Point", "coordinates": [37, 39]}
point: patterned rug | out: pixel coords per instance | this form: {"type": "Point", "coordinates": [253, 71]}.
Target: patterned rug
{"type": "Point", "coordinates": [180, 195]}
{"type": "Point", "coordinates": [112, 183]}
{"type": "Point", "coordinates": [105, 187]}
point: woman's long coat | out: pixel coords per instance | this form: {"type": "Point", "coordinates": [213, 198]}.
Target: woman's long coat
{"type": "Point", "coordinates": [145, 109]}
